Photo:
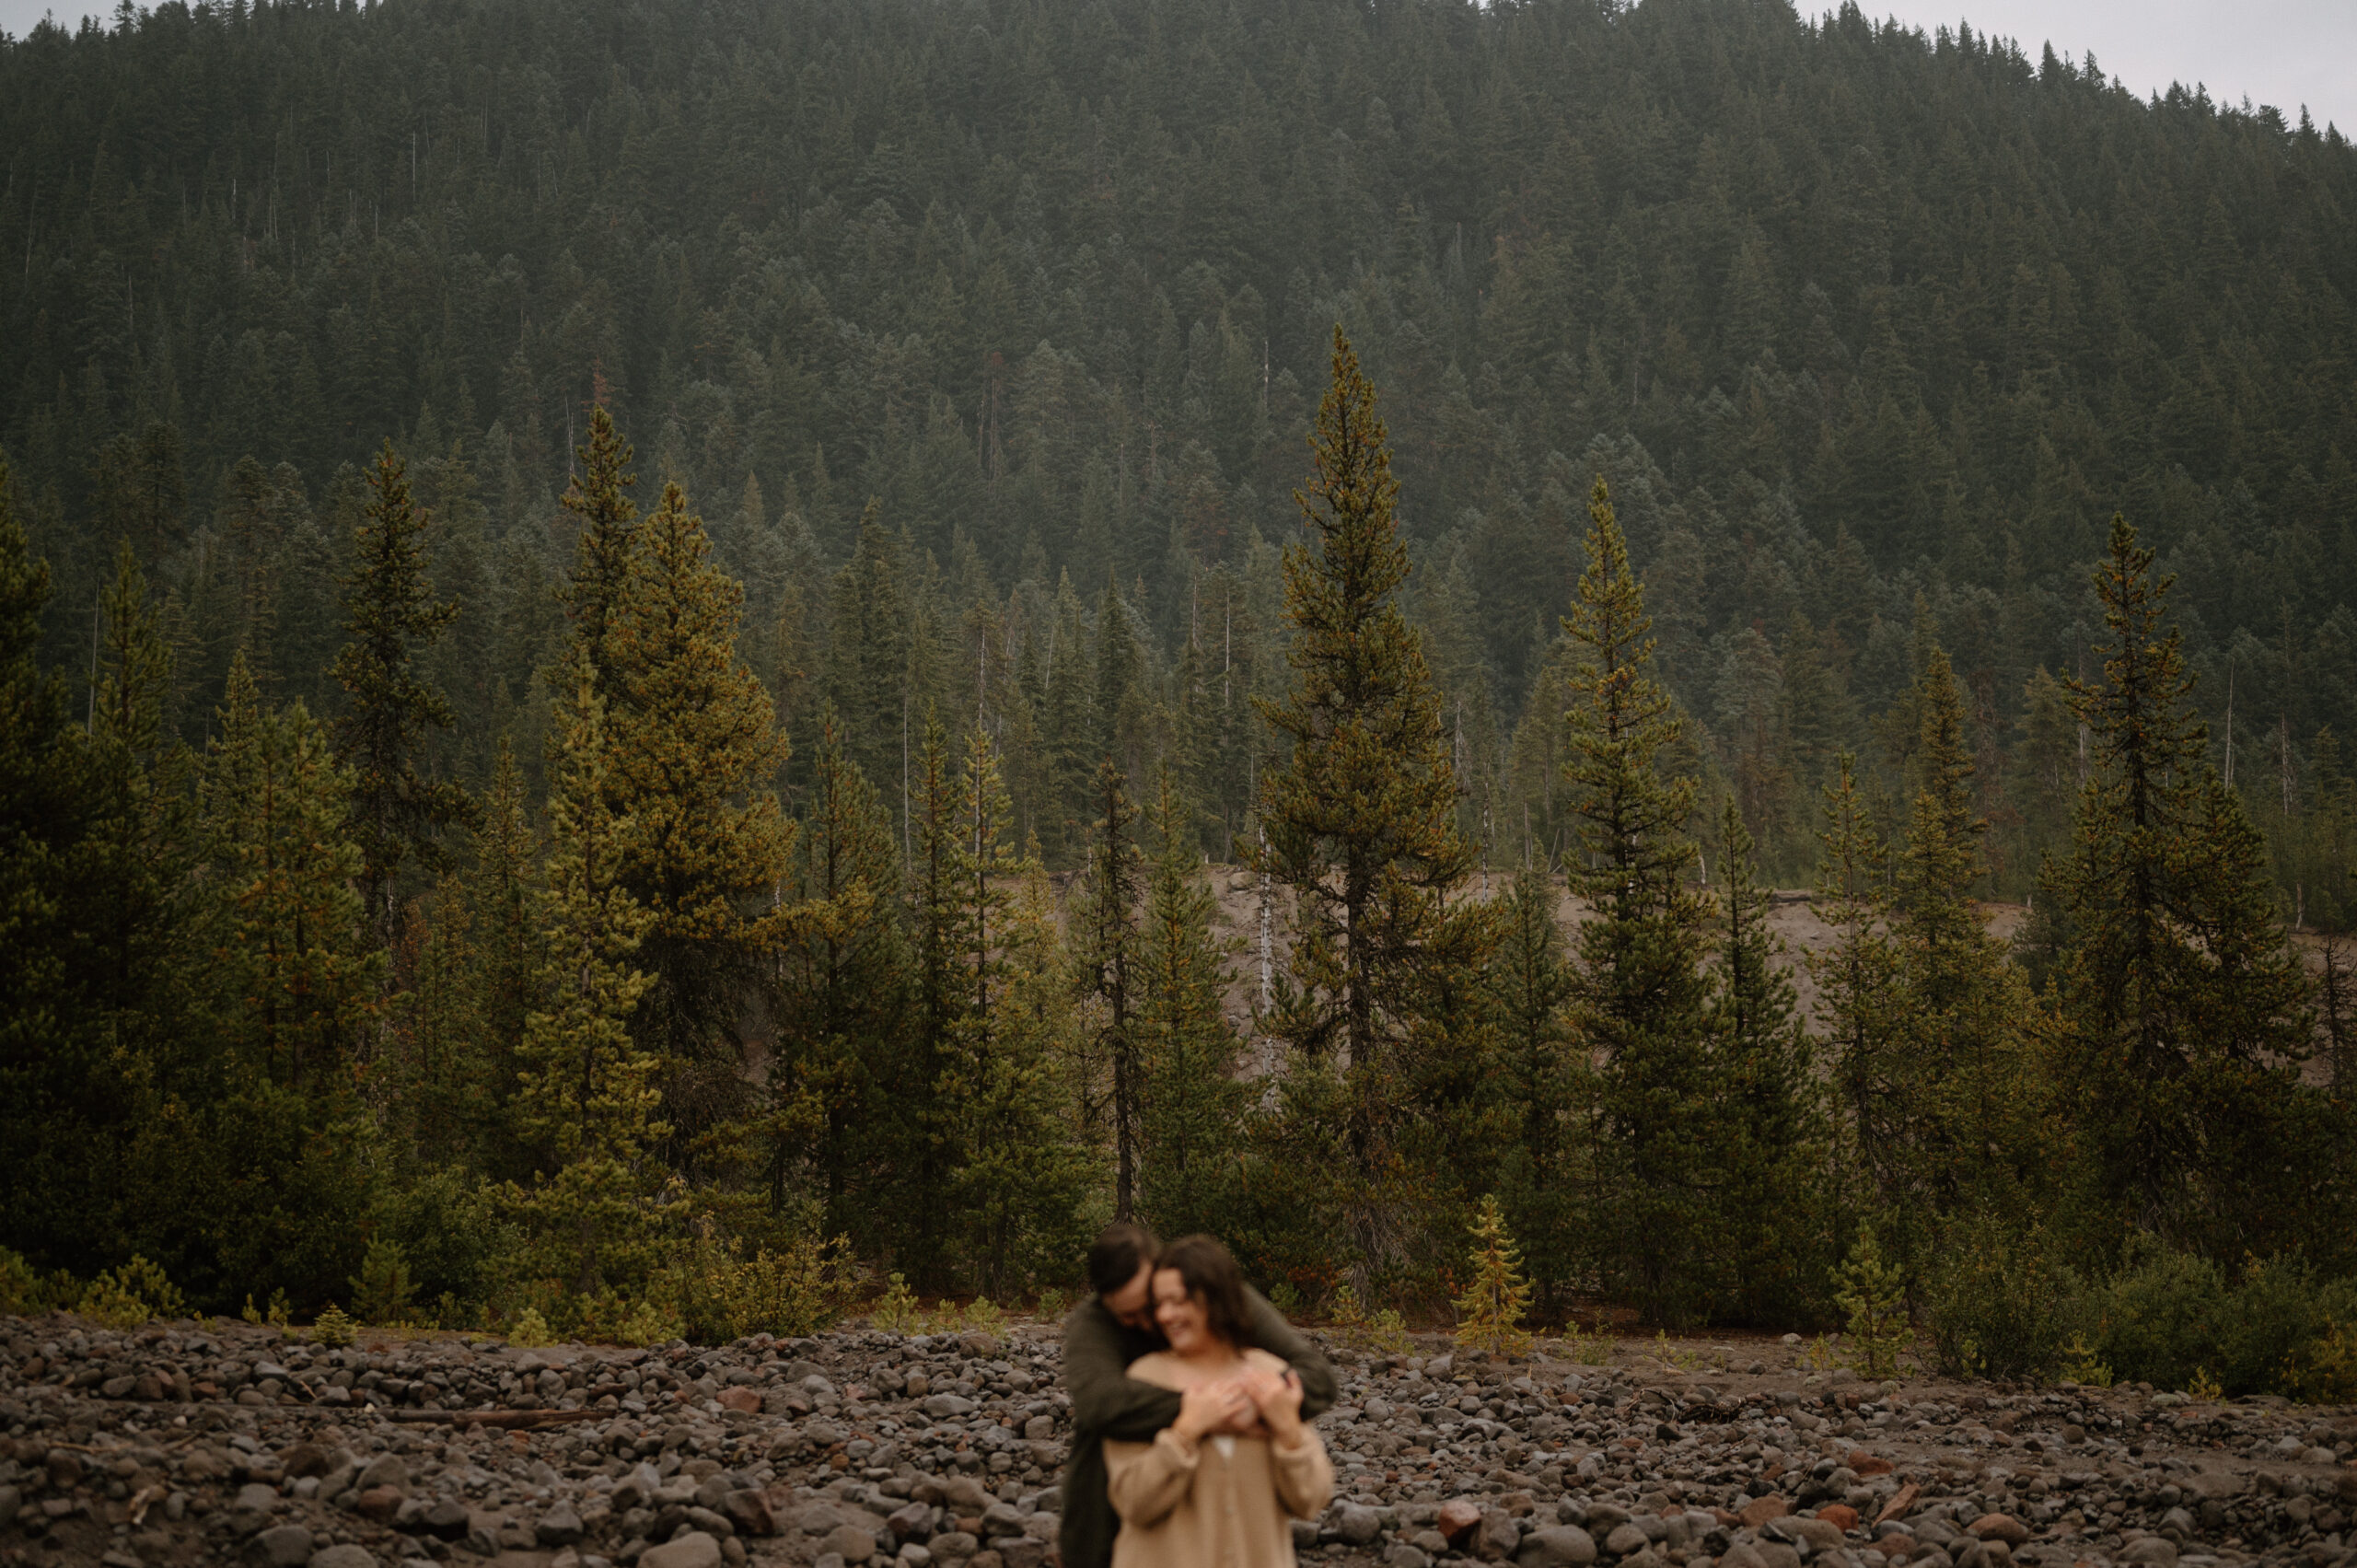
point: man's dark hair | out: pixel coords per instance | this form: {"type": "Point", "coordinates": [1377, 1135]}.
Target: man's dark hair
{"type": "Point", "coordinates": [1211, 1277]}
{"type": "Point", "coordinates": [1119, 1254]}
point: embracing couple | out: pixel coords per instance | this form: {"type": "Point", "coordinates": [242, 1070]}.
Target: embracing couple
{"type": "Point", "coordinates": [1191, 1404]}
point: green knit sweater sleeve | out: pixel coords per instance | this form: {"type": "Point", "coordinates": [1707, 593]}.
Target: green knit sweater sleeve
{"type": "Point", "coordinates": [1282, 1339]}
{"type": "Point", "coordinates": [1105, 1400]}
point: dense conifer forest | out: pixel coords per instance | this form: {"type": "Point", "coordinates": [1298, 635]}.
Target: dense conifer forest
{"type": "Point", "coordinates": [628, 628]}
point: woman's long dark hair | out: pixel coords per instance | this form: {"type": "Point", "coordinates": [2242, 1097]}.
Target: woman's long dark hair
{"type": "Point", "coordinates": [1211, 1277]}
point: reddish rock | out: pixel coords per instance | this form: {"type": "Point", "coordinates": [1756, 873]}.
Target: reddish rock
{"type": "Point", "coordinates": [1866, 1464]}
{"type": "Point", "coordinates": [1900, 1506]}
{"type": "Point", "coordinates": [1840, 1516]}
{"type": "Point", "coordinates": [747, 1510]}
{"type": "Point", "coordinates": [1457, 1518]}
{"type": "Point", "coordinates": [740, 1397]}
{"type": "Point", "coordinates": [1999, 1526]}
{"type": "Point", "coordinates": [1760, 1511]}
{"type": "Point", "coordinates": [378, 1502]}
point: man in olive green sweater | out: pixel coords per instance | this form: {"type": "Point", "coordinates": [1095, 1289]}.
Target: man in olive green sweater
{"type": "Point", "coordinates": [1103, 1335]}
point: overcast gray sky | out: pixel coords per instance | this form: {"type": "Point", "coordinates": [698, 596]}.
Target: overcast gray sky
{"type": "Point", "coordinates": [2286, 52]}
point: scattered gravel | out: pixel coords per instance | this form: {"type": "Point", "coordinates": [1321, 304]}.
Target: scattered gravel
{"type": "Point", "coordinates": [187, 1443]}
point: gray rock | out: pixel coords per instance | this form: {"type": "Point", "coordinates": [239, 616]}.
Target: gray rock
{"type": "Point", "coordinates": [446, 1520]}
{"type": "Point", "coordinates": [954, 1545]}
{"type": "Point", "coordinates": [1556, 1546]}
{"type": "Point", "coordinates": [945, 1406]}
{"type": "Point", "coordinates": [255, 1498]}
{"type": "Point", "coordinates": [694, 1550]}
{"type": "Point", "coordinates": [1359, 1524]}
{"type": "Point", "coordinates": [1000, 1520]}
{"type": "Point", "coordinates": [385, 1469]}
{"type": "Point", "coordinates": [912, 1522]}
{"type": "Point", "coordinates": [1305, 1535]}
{"type": "Point", "coordinates": [2153, 1551]}
{"type": "Point", "coordinates": [286, 1546]}
{"type": "Point", "coordinates": [1822, 1535]}
{"type": "Point", "coordinates": [851, 1543]}
{"type": "Point", "coordinates": [1405, 1556]}
{"type": "Point", "coordinates": [10, 1501]}
{"type": "Point", "coordinates": [718, 1525]}
{"type": "Point", "coordinates": [561, 1526]}
{"type": "Point", "coordinates": [1625, 1539]}
{"type": "Point", "coordinates": [916, 1556]}
{"type": "Point", "coordinates": [345, 1556]}
{"type": "Point", "coordinates": [1021, 1552]}
{"type": "Point", "coordinates": [1499, 1537]}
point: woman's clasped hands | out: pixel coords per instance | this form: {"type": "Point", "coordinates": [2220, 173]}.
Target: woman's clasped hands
{"type": "Point", "coordinates": [1258, 1401]}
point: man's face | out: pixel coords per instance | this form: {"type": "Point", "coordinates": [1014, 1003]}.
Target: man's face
{"type": "Point", "coordinates": [1132, 1304]}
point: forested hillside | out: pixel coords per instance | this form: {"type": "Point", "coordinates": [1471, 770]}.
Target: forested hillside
{"type": "Point", "coordinates": [968, 355]}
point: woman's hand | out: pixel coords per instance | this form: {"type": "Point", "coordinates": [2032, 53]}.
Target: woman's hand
{"type": "Point", "coordinates": [1277, 1396]}
{"type": "Point", "coordinates": [1213, 1407]}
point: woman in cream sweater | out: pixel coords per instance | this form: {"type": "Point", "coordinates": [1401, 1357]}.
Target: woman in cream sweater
{"type": "Point", "coordinates": [1219, 1487]}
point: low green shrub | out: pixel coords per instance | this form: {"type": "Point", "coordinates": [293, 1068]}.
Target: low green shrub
{"type": "Point", "coordinates": [2172, 1320]}
{"type": "Point", "coordinates": [2001, 1303]}
{"type": "Point", "coordinates": [896, 1311]}
{"type": "Point", "coordinates": [333, 1327]}
{"type": "Point", "coordinates": [529, 1331]}
{"type": "Point", "coordinates": [452, 1240]}
{"type": "Point", "coordinates": [1873, 1293]}
{"type": "Point", "coordinates": [722, 1295]}
{"type": "Point", "coordinates": [131, 1295]}
{"type": "Point", "coordinates": [382, 1292]}
{"type": "Point", "coordinates": [25, 1290]}
{"type": "Point", "coordinates": [2004, 1305]}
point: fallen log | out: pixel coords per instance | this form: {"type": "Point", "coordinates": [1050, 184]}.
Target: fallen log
{"type": "Point", "coordinates": [511, 1421]}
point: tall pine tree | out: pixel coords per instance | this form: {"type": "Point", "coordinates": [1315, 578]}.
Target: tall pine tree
{"type": "Point", "coordinates": [1107, 954]}
{"type": "Point", "coordinates": [1193, 1106]}
{"type": "Point", "coordinates": [399, 810]}
{"type": "Point", "coordinates": [1360, 812]}
{"type": "Point", "coordinates": [1642, 1002]}
{"type": "Point", "coordinates": [844, 983]}
{"type": "Point", "coordinates": [586, 1104]}
{"type": "Point", "coordinates": [2182, 1007]}
{"type": "Point", "coordinates": [695, 753]}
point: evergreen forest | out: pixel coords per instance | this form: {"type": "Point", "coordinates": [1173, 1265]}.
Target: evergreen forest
{"type": "Point", "coordinates": [640, 641]}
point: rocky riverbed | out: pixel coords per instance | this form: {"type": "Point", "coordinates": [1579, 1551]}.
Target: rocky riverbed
{"type": "Point", "coordinates": [189, 1443]}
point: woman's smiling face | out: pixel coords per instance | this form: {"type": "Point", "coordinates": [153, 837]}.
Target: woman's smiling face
{"type": "Point", "coordinates": [1179, 1314]}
